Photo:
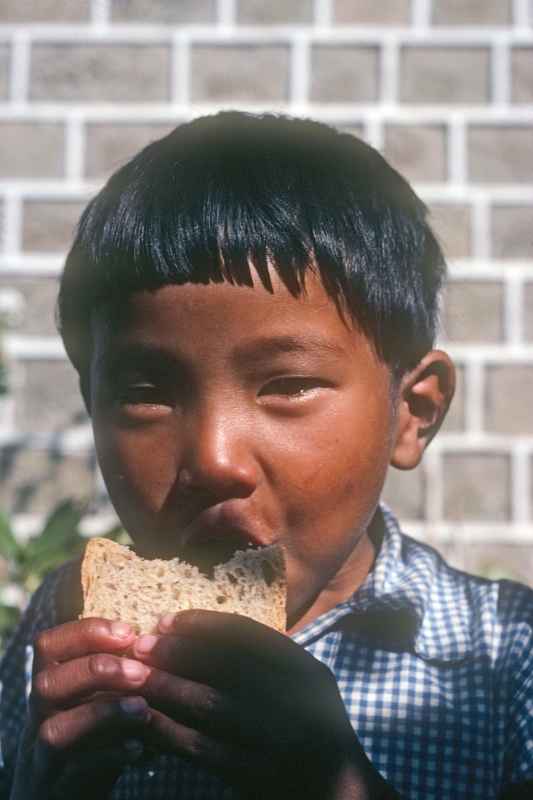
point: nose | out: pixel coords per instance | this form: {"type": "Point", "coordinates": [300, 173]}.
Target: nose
{"type": "Point", "coordinates": [218, 459]}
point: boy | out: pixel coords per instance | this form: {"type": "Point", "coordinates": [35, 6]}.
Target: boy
{"type": "Point", "coordinates": [251, 306]}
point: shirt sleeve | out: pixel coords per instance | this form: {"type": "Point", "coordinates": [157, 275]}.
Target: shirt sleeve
{"type": "Point", "coordinates": [516, 681]}
{"type": "Point", "coordinates": [15, 675]}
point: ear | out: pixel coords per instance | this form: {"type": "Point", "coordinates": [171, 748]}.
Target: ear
{"type": "Point", "coordinates": [424, 396]}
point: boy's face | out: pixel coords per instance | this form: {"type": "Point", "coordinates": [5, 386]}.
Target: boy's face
{"type": "Point", "coordinates": [228, 414]}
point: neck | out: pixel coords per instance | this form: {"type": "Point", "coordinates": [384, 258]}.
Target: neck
{"type": "Point", "coordinates": [341, 586]}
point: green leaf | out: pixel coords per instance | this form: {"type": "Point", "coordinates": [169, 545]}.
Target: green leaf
{"type": "Point", "coordinates": [58, 541]}
{"type": "Point", "coordinates": [9, 547]}
{"type": "Point", "coordinates": [60, 528]}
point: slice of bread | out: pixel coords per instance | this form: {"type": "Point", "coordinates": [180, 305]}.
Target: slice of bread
{"type": "Point", "coordinates": [119, 585]}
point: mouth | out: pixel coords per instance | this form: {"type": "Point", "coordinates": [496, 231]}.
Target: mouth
{"type": "Point", "coordinates": [207, 549]}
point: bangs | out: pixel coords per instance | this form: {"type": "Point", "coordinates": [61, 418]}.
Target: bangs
{"type": "Point", "coordinates": [220, 196]}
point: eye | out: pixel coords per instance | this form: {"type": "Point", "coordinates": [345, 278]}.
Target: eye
{"type": "Point", "coordinates": [293, 387]}
{"type": "Point", "coordinates": [145, 393]}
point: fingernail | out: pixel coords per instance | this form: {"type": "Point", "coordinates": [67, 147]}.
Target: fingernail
{"type": "Point", "coordinates": [121, 630]}
{"type": "Point", "coordinates": [166, 622]}
{"type": "Point", "coordinates": [133, 706]}
{"type": "Point", "coordinates": [134, 670]}
{"type": "Point", "coordinates": [145, 644]}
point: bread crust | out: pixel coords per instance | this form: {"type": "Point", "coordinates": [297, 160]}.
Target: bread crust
{"type": "Point", "coordinates": [119, 585]}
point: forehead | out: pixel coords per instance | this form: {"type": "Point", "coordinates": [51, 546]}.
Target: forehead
{"type": "Point", "coordinates": [206, 320]}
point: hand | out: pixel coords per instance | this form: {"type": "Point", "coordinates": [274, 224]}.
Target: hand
{"type": "Point", "coordinates": [246, 701]}
{"type": "Point", "coordinates": [86, 715]}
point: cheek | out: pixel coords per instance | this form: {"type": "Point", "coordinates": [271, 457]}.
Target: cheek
{"type": "Point", "coordinates": [139, 469]}
{"type": "Point", "coordinates": [336, 473]}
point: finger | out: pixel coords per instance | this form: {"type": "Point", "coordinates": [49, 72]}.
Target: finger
{"type": "Point", "coordinates": [248, 767]}
{"type": "Point", "coordinates": [208, 750]}
{"type": "Point", "coordinates": [236, 633]}
{"type": "Point", "coordinates": [85, 726]}
{"type": "Point", "coordinates": [65, 685]}
{"type": "Point", "coordinates": [192, 703]}
{"type": "Point", "coordinates": [80, 638]}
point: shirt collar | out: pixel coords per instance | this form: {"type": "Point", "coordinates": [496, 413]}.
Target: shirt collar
{"type": "Point", "coordinates": [411, 599]}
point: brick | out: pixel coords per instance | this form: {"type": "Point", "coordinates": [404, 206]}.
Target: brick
{"type": "Point", "coordinates": [496, 560]}
{"type": "Point", "coordinates": [528, 311]}
{"type": "Point", "coordinates": [48, 225]}
{"type": "Point", "coordinates": [512, 231]}
{"type": "Point", "coordinates": [471, 12]}
{"type": "Point", "coordinates": [387, 12]}
{"type": "Point", "coordinates": [110, 145]}
{"type": "Point", "coordinates": [473, 311]}
{"type": "Point", "coordinates": [454, 422]}
{"type": "Point", "coordinates": [275, 12]}
{"type": "Point", "coordinates": [509, 388]}
{"type": "Point", "coordinates": [44, 10]}
{"type": "Point", "coordinates": [38, 297]}
{"type": "Point", "coordinates": [404, 492]}
{"type": "Point", "coordinates": [35, 481]}
{"type": "Point", "coordinates": [476, 487]}
{"type": "Point", "coordinates": [100, 73]}
{"type": "Point", "coordinates": [155, 11]}
{"type": "Point", "coordinates": [521, 72]}
{"type": "Point", "coordinates": [48, 399]}
{"type": "Point", "coordinates": [341, 74]}
{"type": "Point", "coordinates": [452, 226]}
{"type": "Point", "coordinates": [417, 151]}
{"type": "Point", "coordinates": [500, 153]}
{"type": "Point", "coordinates": [5, 58]}
{"type": "Point", "coordinates": [31, 150]}
{"type": "Point", "coordinates": [240, 73]}
{"type": "Point", "coordinates": [445, 75]}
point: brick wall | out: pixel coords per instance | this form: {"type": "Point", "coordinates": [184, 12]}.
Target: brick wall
{"type": "Point", "coordinates": [443, 87]}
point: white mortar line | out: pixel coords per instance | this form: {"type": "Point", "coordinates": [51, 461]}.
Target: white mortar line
{"type": "Point", "coordinates": [472, 115]}
{"type": "Point", "coordinates": [433, 479]}
{"type": "Point", "coordinates": [375, 134]}
{"type": "Point", "coordinates": [74, 148]}
{"type": "Point", "coordinates": [226, 13]}
{"type": "Point", "coordinates": [520, 487]}
{"type": "Point", "coordinates": [492, 270]}
{"type": "Point", "coordinates": [417, 36]}
{"type": "Point", "coordinates": [421, 15]}
{"type": "Point", "coordinates": [389, 66]}
{"type": "Point", "coordinates": [12, 223]}
{"type": "Point", "coordinates": [180, 66]}
{"type": "Point", "coordinates": [474, 396]}
{"type": "Point", "coordinates": [500, 73]}
{"type": "Point", "coordinates": [481, 441]}
{"type": "Point", "coordinates": [45, 266]}
{"type": "Point", "coordinates": [514, 322]}
{"type": "Point", "coordinates": [33, 347]}
{"type": "Point", "coordinates": [20, 68]}
{"type": "Point", "coordinates": [323, 13]}
{"type": "Point", "coordinates": [495, 354]}
{"type": "Point", "coordinates": [299, 70]}
{"type": "Point", "coordinates": [521, 15]}
{"type": "Point", "coordinates": [457, 167]}
{"type": "Point", "coordinates": [481, 231]}
{"type": "Point", "coordinates": [100, 13]}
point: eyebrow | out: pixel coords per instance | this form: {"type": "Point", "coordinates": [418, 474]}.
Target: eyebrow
{"type": "Point", "coordinates": [135, 354]}
{"type": "Point", "coordinates": [271, 346]}
{"type": "Point", "coordinates": [264, 347]}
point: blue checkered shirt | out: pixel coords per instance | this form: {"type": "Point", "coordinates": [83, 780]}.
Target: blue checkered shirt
{"type": "Point", "coordinates": [435, 668]}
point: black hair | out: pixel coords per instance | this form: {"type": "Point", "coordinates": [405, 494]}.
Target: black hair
{"type": "Point", "coordinates": [233, 189]}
